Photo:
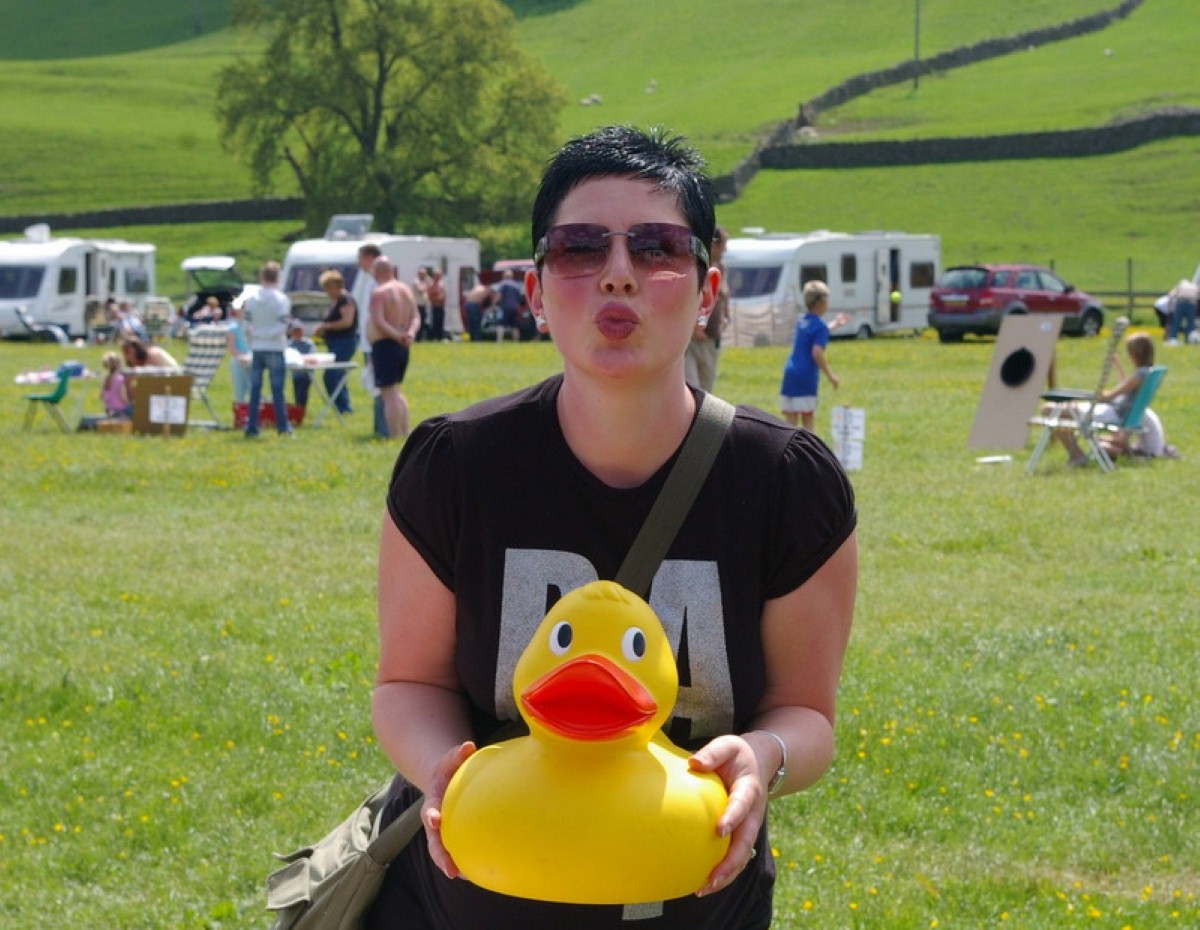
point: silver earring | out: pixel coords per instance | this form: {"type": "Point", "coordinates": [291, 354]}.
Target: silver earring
{"type": "Point", "coordinates": [539, 321]}
{"type": "Point", "coordinates": [702, 320]}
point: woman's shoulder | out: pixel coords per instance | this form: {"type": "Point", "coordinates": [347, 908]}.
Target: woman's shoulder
{"type": "Point", "coordinates": [492, 425]}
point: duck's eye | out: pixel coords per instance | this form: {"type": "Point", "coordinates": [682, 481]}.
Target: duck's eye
{"type": "Point", "coordinates": [560, 637]}
{"type": "Point", "coordinates": [633, 644]}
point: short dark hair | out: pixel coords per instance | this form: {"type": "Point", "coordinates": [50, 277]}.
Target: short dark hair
{"type": "Point", "coordinates": [370, 248]}
{"type": "Point", "coordinates": [656, 155]}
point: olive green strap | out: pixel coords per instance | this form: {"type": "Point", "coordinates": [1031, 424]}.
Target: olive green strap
{"type": "Point", "coordinates": [675, 499]}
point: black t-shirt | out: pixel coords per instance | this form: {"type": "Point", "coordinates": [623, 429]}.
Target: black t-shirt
{"type": "Point", "coordinates": [343, 306]}
{"type": "Point", "coordinates": [508, 519]}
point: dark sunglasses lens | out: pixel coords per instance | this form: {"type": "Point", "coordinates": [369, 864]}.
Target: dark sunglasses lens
{"type": "Point", "coordinates": [661, 246]}
{"type": "Point", "coordinates": [576, 249]}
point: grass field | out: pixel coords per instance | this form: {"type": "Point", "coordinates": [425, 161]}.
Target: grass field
{"type": "Point", "coordinates": [190, 650]}
{"type": "Point", "coordinates": [1083, 82]}
{"type": "Point", "coordinates": [143, 120]}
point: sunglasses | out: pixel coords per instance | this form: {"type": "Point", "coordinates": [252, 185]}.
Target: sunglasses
{"type": "Point", "coordinates": [574, 250]}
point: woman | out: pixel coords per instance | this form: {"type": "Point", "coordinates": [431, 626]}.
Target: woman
{"type": "Point", "coordinates": [339, 329]}
{"type": "Point", "coordinates": [764, 567]}
{"type": "Point", "coordinates": [140, 355]}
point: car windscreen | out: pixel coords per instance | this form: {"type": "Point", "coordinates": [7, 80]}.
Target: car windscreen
{"type": "Point", "coordinates": [20, 282]}
{"type": "Point", "coordinates": [217, 279]}
{"type": "Point", "coordinates": [962, 278]}
{"type": "Point", "coordinates": [753, 282]}
{"type": "Point", "coordinates": [308, 277]}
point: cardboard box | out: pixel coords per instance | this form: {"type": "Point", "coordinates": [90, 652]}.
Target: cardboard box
{"type": "Point", "coordinates": [160, 404]}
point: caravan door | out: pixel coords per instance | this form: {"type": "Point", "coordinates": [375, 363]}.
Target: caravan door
{"type": "Point", "coordinates": [887, 280]}
{"type": "Point", "coordinates": [65, 291]}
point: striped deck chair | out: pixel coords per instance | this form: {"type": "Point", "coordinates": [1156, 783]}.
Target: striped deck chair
{"type": "Point", "coordinates": [206, 348]}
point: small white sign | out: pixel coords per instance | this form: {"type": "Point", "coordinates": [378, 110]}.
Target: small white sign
{"type": "Point", "coordinates": [849, 436]}
{"type": "Point", "coordinates": [166, 408]}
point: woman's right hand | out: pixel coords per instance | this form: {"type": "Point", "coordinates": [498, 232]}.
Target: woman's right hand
{"type": "Point", "coordinates": [431, 807]}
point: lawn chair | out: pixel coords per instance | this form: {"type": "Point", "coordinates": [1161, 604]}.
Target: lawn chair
{"type": "Point", "coordinates": [52, 401]}
{"type": "Point", "coordinates": [206, 348]}
{"type": "Point", "coordinates": [1132, 421]}
{"type": "Point", "coordinates": [41, 332]}
{"type": "Point", "coordinates": [1071, 395]}
{"type": "Point", "coordinates": [1089, 430]}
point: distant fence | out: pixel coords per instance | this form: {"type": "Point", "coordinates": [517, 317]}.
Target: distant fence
{"type": "Point", "coordinates": [213, 211]}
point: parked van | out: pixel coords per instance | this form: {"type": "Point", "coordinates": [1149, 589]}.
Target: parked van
{"type": "Point", "coordinates": [458, 260]}
{"type": "Point", "coordinates": [65, 282]}
{"type": "Point", "coordinates": [881, 279]}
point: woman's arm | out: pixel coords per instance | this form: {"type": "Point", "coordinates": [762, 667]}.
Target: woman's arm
{"type": "Point", "coordinates": [418, 708]}
{"type": "Point", "coordinates": [805, 634]}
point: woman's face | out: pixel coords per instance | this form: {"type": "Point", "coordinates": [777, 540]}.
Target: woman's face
{"type": "Point", "coordinates": [622, 320]}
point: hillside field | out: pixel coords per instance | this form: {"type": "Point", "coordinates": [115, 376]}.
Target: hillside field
{"type": "Point", "coordinates": [141, 114]}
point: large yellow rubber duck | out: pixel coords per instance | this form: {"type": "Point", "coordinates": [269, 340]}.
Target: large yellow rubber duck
{"type": "Point", "coordinates": [596, 805]}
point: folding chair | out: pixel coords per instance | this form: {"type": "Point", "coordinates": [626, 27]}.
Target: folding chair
{"type": "Point", "coordinates": [1070, 395]}
{"type": "Point", "coordinates": [42, 332]}
{"type": "Point", "coordinates": [1089, 430]}
{"type": "Point", "coordinates": [206, 348]}
{"type": "Point", "coordinates": [52, 401]}
{"type": "Point", "coordinates": [1132, 421]}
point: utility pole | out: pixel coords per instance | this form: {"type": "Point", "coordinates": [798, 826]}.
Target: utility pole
{"type": "Point", "coordinates": [917, 47]}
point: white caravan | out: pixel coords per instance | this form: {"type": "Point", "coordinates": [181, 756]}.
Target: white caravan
{"type": "Point", "coordinates": [865, 272]}
{"type": "Point", "coordinates": [458, 260]}
{"type": "Point", "coordinates": [65, 282]}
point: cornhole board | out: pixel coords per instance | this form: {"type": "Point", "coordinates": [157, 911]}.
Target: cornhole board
{"type": "Point", "coordinates": [160, 404]}
{"type": "Point", "coordinates": [1020, 364]}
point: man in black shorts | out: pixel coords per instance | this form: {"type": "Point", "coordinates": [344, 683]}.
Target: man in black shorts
{"type": "Point", "coordinates": [392, 328]}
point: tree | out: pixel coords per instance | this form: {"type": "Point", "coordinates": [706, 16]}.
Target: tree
{"type": "Point", "coordinates": [426, 113]}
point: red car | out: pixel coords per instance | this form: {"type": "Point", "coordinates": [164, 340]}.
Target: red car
{"type": "Point", "coordinates": [976, 298]}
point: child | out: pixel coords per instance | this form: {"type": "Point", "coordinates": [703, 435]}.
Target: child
{"type": "Point", "coordinates": [802, 373]}
{"type": "Point", "coordinates": [114, 393]}
{"type": "Point", "coordinates": [1111, 405]}
{"type": "Point", "coordinates": [301, 380]}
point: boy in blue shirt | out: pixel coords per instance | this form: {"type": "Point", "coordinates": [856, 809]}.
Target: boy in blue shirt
{"type": "Point", "coordinates": [802, 373]}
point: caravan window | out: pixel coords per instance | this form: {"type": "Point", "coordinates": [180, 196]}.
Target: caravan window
{"type": "Point", "coordinates": [813, 273]}
{"type": "Point", "coordinates": [849, 268]}
{"type": "Point", "coordinates": [921, 274]}
{"type": "Point", "coordinates": [20, 282]}
{"type": "Point", "coordinates": [308, 277]}
{"type": "Point", "coordinates": [137, 281]}
{"type": "Point", "coordinates": [68, 280]}
{"type": "Point", "coordinates": [753, 282]}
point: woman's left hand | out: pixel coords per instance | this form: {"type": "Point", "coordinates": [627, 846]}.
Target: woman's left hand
{"type": "Point", "coordinates": [732, 759]}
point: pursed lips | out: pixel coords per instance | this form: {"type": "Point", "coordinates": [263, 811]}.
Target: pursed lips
{"type": "Point", "coordinates": [616, 321]}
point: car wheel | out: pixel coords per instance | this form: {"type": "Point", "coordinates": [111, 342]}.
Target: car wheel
{"type": "Point", "coordinates": [1093, 322]}
{"type": "Point", "coordinates": [863, 332]}
{"type": "Point", "coordinates": [947, 336]}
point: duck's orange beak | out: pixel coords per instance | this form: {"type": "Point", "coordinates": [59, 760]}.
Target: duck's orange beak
{"type": "Point", "coordinates": [589, 698]}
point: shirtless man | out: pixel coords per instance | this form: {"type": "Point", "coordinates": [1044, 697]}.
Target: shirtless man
{"type": "Point", "coordinates": [392, 327]}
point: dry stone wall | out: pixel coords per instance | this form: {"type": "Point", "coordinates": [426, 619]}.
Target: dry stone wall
{"type": "Point", "coordinates": [778, 150]}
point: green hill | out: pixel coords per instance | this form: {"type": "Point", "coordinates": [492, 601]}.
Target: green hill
{"type": "Point", "coordinates": [36, 30]}
{"type": "Point", "coordinates": [110, 104]}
